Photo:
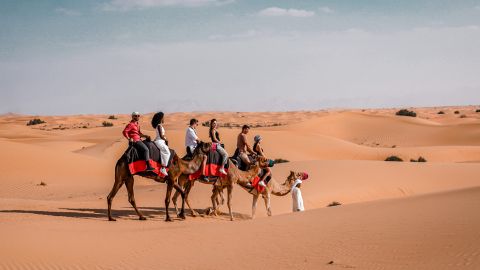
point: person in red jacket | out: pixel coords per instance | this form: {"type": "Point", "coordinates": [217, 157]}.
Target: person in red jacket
{"type": "Point", "coordinates": [133, 134]}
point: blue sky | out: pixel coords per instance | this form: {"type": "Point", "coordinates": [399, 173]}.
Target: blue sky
{"type": "Point", "coordinates": [116, 56]}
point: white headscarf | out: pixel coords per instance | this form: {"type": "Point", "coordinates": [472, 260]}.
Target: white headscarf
{"type": "Point", "coordinates": [298, 181]}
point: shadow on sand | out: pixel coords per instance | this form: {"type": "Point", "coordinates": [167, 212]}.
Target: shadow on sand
{"type": "Point", "coordinates": [101, 213]}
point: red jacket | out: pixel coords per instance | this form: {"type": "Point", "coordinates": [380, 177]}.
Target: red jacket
{"type": "Point", "coordinates": [132, 130]}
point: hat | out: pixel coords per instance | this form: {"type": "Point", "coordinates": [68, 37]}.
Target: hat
{"type": "Point", "coordinates": [304, 176]}
{"type": "Point", "coordinates": [135, 113]}
{"type": "Point", "coordinates": [257, 138]}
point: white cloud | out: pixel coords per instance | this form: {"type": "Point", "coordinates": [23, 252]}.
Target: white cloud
{"type": "Point", "coordinates": [326, 10]}
{"type": "Point", "coordinates": [277, 12]}
{"type": "Point", "coordinates": [67, 12]}
{"type": "Point", "coordinates": [125, 5]}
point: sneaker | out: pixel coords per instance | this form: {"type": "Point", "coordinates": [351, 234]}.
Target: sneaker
{"type": "Point", "coordinates": [222, 171]}
{"type": "Point", "coordinates": [163, 171]}
{"type": "Point", "coordinates": [262, 183]}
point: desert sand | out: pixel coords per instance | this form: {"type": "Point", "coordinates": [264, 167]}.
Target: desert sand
{"type": "Point", "coordinates": [54, 179]}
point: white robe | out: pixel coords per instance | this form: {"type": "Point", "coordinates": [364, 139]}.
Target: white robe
{"type": "Point", "coordinates": [297, 197]}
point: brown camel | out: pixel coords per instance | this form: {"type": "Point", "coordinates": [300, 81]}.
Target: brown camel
{"type": "Point", "coordinates": [234, 175]}
{"type": "Point", "coordinates": [273, 187]}
{"type": "Point", "coordinates": [177, 166]}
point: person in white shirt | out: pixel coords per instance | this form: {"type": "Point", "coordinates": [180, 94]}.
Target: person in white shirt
{"type": "Point", "coordinates": [191, 138]}
{"type": "Point", "coordinates": [297, 196]}
{"type": "Point", "coordinates": [161, 140]}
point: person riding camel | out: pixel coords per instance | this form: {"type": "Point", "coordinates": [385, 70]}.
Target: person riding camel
{"type": "Point", "coordinates": [243, 147]}
{"type": "Point", "coordinates": [161, 141]}
{"type": "Point", "coordinates": [133, 134]}
{"type": "Point", "coordinates": [215, 136]}
{"type": "Point", "coordinates": [191, 142]}
{"type": "Point", "coordinates": [191, 138]}
{"type": "Point", "coordinates": [257, 148]}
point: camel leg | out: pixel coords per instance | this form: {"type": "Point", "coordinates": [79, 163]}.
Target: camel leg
{"type": "Point", "coordinates": [178, 189]}
{"type": "Point", "coordinates": [116, 186]}
{"type": "Point", "coordinates": [229, 201]}
{"type": "Point", "coordinates": [174, 200]}
{"type": "Point", "coordinates": [167, 198]}
{"type": "Point", "coordinates": [215, 192]}
{"type": "Point", "coordinates": [131, 198]}
{"type": "Point", "coordinates": [222, 200]}
{"type": "Point", "coordinates": [188, 188]}
{"type": "Point", "coordinates": [254, 205]}
{"type": "Point", "coordinates": [266, 198]}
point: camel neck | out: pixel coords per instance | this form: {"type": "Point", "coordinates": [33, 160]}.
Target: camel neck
{"type": "Point", "coordinates": [280, 189]}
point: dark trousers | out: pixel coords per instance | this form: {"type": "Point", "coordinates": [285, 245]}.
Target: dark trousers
{"type": "Point", "coordinates": [189, 152]}
{"type": "Point", "coordinates": [144, 148]}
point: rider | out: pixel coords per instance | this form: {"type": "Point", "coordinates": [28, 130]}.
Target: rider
{"type": "Point", "coordinates": [242, 145]}
{"type": "Point", "coordinates": [191, 138]}
{"type": "Point", "coordinates": [133, 134]}
{"type": "Point", "coordinates": [215, 136]}
{"type": "Point", "coordinates": [161, 140]}
{"type": "Point", "coordinates": [257, 148]}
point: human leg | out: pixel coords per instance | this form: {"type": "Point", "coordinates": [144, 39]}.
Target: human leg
{"type": "Point", "coordinates": [146, 154]}
{"type": "Point", "coordinates": [224, 155]}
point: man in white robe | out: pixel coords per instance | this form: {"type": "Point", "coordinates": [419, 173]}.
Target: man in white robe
{"type": "Point", "coordinates": [297, 196]}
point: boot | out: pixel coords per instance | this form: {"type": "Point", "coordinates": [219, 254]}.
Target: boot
{"type": "Point", "coordinates": [149, 167]}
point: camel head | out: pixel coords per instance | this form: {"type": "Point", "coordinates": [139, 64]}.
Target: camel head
{"type": "Point", "coordinates": [264, 162]}
{"type": "Point", "coordinates": [202, 148]}
{"type": "Point", "coordinates": [292, 177]}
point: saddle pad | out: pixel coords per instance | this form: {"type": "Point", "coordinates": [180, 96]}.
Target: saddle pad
{"type": "Point", "coordinates": [214, 163]}
{"type": "Point", "coordinates": [256, 186]}
{"type": "Point", "coordinates": [137, 164]}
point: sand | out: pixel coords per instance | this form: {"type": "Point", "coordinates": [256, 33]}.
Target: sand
{"type": "Point", "coordinates": [55, 177]}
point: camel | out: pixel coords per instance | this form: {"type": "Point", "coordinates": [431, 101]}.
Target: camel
{"type": "Point", "coordinates": [273, 187]}
{"type": "Point", "coordinates": [177, 167]}
{"type": "Point", "coordinates": [234, 175]}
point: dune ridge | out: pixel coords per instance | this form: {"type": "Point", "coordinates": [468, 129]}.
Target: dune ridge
{"type": "Point", "coordinates": [393, 215]}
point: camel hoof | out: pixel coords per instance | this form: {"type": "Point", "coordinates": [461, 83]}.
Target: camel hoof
{"type": "Point", "coordinates": [182, 216]}
{"type": "Point", "coordinates": [195, 214]}
{"type": "Point", "coordinates": [111, 219]}
{"type": "Point", "coordinates": [168, 219]}
{"type": "Point", "coordinates": [142, 218]}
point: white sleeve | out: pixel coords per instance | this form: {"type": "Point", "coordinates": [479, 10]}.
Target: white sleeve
{"type": "Point", "coordinates": [193, 135]}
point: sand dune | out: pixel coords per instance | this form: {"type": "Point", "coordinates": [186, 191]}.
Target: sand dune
{"type": "Point", "coordinates": [394, 215]}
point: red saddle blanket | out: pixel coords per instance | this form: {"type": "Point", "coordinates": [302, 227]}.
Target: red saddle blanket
{"type": "Point", "coordinates": [140, 166]}
{"type": "Point", "coordinates": [256, 186]}
{"type": "Point", "coordinates": [212, 167]}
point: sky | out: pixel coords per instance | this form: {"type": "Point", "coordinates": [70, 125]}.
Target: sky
{"type": "Point", "coordinates": [117, 56]}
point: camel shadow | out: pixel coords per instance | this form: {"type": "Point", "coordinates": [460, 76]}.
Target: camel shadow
{"type": "Point", "coordinates": [101, 213]}
{"type": "Point", "coordinates": [96, 213]}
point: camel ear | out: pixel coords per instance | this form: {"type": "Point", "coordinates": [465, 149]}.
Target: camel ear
{"type": "Point", "coordinates": [292, 174]}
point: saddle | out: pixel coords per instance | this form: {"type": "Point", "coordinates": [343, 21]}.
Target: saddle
{"type": "Point", "coordinates": [136, 163]}
{"type": "Point", "coordinates": [212, 167]}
